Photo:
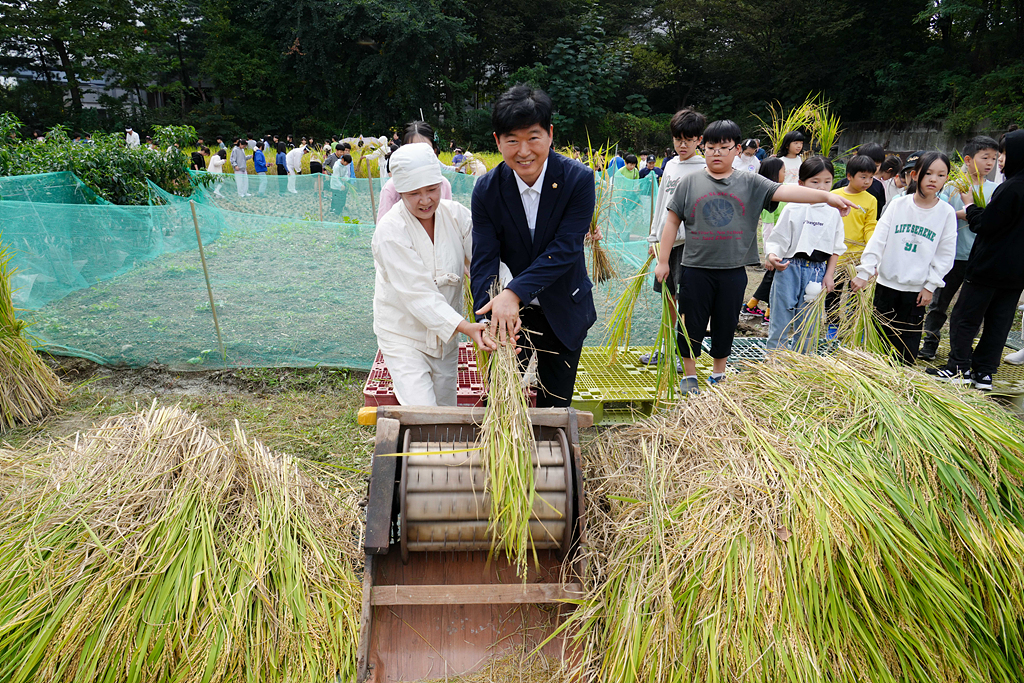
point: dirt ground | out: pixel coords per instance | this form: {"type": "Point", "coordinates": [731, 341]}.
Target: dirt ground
{"type": "Point", "coordinates": [308, 412]}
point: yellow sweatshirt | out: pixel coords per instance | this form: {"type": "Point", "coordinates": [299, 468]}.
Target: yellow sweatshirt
{"type": "Point", "coordinates": [858, 226]}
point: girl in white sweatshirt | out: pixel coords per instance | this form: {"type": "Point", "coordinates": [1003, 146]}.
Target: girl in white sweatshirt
{"type": "Point", "coordinates": [911, 251]}
{"type": "Point", "coordinates": [802, 249]}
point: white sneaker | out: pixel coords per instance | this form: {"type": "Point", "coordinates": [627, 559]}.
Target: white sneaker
{"type": "Point", "coordinates": [1015, 358]}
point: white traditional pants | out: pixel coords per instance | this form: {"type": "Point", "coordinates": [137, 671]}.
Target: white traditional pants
{"type": "Point", "coordinates": [291, 180]}
{"type": "Point", "coordinates": [420, 379]}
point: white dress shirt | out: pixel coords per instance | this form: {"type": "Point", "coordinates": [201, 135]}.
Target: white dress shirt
{"type": "Point", "coordinates": [531, 197]}
{"type": "Point", "coordinates": [531, 202]}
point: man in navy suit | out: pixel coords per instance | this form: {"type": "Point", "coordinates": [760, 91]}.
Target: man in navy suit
{"type": "Point", "coordinates": [533, 212]}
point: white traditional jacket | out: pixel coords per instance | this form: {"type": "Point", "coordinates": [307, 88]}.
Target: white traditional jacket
{"type": "Point", "coordinates": [417, 294]}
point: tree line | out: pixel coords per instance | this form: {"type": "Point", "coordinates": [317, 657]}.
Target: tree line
{"type": "Point", "coordinates": [615, 68]}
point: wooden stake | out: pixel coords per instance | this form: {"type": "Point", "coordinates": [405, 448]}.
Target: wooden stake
{"type": "Point", "coordinates": [320, 190]}
{"type": "Point", "coordinates": [209, 289]}
{"type": "Point", "coordinates": [369, 178]}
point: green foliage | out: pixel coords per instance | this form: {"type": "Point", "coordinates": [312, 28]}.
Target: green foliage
{"type": "Point", "coordinates": [584, 74]}
{"type": "Point", "coordinates": [111, 170]}
{"type": "Point", "coordinates": [633, 132]}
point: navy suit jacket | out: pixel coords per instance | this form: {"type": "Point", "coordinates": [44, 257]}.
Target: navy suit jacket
{"type": "Point", "coordinates": [551, 267]}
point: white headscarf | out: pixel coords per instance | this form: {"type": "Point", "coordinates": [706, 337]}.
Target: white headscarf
{"type": "Point", "coordinates": [414, 166]}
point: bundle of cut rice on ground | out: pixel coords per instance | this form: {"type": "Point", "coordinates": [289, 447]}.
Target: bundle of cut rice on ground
{"type": "Point", "coordinates": [151, 549]}
{"type": "Point", "coordinates": [28, 388]}
{"type": "Point", "coordinates": [814, 519]}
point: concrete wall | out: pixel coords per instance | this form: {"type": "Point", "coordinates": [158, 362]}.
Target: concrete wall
{"type": "Point", "coordinates": [910, 136]}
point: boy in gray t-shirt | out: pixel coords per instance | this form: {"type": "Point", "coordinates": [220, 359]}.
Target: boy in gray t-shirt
{"type": "Point", "coordinates": [719, 210]}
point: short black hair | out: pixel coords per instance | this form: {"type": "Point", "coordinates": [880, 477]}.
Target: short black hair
{"type": "Point", "coordinates": [861, 163]}
{"type": "Point", "coordinates": [338, 147]}
{"type": "Point", "coordinates": [749, 143]}
{"type": "Point", "coordinates": [788, 139]}
{"type": "Point", "coordinates": [630, 159]}
{"type": "Point", "coordinates": [346, 145]}
{"type": "Point", "coordinates": [723, 131]}
{"type": "Point", "coordinates": [892, 164]}
{"type": "Point", "coordinates": [687, 123]}
{"type": "Point", "coordinates": [521, 106]}
{"type": "Point", "coordinates": [415, 128]}
{"type": "Point", "coordinates": [873, 151]}
{"type": "Point", "coordinates": [815, 165]}
{"type": "Point", "coordinates": [347, 158]}
{"type": "Point", "coordinates": [978, 144]}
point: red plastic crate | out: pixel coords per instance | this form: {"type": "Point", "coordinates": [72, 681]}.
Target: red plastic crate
{"type": "Point", "coordinates": [378, 390]}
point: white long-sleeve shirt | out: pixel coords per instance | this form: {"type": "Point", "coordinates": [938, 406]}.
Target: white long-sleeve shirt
{"type": "Point", "coordinates": [675, 171]}
{"type": "Point", "coordinates": [912, 248]}
{"type": "Point", "coordinates": [417, 295]}
{"type": "Point", "coordinates": [293, 160]}
{"type": "Point", "coordinates": [806, 228]}
{"type": "Point", "coordinates": [216, 164]}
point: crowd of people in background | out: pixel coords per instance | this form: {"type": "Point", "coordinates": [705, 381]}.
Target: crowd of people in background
{"type": "Point", "coordinates": [902, 224]}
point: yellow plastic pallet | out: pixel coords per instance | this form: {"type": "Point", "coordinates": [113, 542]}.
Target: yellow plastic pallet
{"type": "Point", "coordinates": [623, 391]}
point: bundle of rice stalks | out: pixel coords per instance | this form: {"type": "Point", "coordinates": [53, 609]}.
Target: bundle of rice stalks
{"type": "Point", "coordinates": [151, 549]}
{"type": "Point", "coordinates": [961, 180]}
{"type": "Point", "coordinates": [509, 454]}
{"type": "Point", "coordinates": [601, 267]}
{"type": "Point", "coordinates": [815, 519]}
{"type": "Point", "coordinates": [825, 128]}
{"type": "Point", "coordinates": [667, 345]}
{"type": "Point", "coordinates": [620, 326]}
{"type": "Point", "coordinates": [781, 121]}
{"type": "Point", "coordinates": [28, 388]}
{"type": "Point", "coordinates": [859, 325]}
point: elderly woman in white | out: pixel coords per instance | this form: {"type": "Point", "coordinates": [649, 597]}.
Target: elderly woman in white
{"type": "Point", "coordinates": [421, 249]}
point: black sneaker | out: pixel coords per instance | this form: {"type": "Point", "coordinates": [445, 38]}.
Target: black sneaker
{"type": "Point", "coordinates": [982, 382]}
{"type": "Point", "coordinates": [951, 376]}
{"type": "Point", "coordinates": [926, 354]}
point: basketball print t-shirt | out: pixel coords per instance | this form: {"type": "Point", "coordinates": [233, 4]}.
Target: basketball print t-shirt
{"type": "Point", "coordinates": [720, 218]}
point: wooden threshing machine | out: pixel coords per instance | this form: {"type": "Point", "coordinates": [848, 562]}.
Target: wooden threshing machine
{"type": "Point", "coordinates": [435, 603]}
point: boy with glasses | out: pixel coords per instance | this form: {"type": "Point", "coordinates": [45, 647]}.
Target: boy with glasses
{"type": "Point", "coordinates": [718, 210]}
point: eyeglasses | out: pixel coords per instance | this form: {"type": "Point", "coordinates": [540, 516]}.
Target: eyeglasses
{"type": "Point", "coordinates": [718, 151]}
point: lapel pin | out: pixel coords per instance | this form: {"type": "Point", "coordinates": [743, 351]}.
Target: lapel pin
{"type": "Point", "coordinates": [554, 186]}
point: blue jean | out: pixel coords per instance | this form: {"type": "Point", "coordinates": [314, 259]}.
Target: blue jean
{"type": "Point", "coordinates": [788, 305]}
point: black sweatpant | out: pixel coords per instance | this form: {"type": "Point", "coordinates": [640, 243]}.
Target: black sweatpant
{"type": "Point", "coordinates": [936, 317]}
{"type": "Point", "coordinates": [710, 295]}
{"type": "Point", "coordinates": [977, 305]}
{"type": "Point", "coordinates": [902, 319]}
{"type": "Point", "coordinates": [764, 290]}
{"type": "Point", "coordinates": [556, 364]}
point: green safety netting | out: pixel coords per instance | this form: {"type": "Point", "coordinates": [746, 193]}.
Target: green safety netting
{"type": "Point", "coordinates": [124, 285]}
{"type": "Point", "coordinates": [48, 188]}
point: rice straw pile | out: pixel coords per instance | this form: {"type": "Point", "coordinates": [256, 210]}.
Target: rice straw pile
{"type": "Point", "coordinates": [151, 549]}
{"type": "Point", "coordinates": [814, 519]}
{"type": "Point", "coordinates": [28, 388]}
{"type": "Point", "coordinates": [509, 452]}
